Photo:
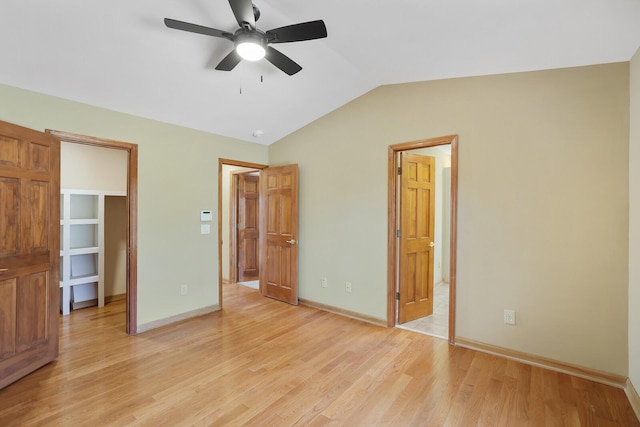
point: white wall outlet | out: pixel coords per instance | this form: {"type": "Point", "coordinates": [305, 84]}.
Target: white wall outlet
{"type": "Point", "coordinates": [183, 289]}
{"type": "Point", "coordinates": [510, 317]}
{"type": "Point", "coordinates": [347, 287]}
{"type": "Point", "coordinates": [323, 282]}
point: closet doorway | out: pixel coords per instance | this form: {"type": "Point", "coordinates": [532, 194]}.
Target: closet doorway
{"type": "Point", "coordinates": [85, 225]}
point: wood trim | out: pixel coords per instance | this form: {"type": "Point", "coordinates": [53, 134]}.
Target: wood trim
{"type": "Point", "coordinates": [392, 249]}
{"type": "Point", "coordinates": [453, 258]}
{"type": "Point", "coordinates": [84, 304]}
{"type": "Point", "coordinates": [108, 299]}
{"type": "Point", "coordinates": [342, 312]}
{"type": "Point", "coordinates": [89, 140]}
{"type": "Point", "coordinates": [233, 232]}
{"type": "Point", "coordinates": [634, 398]}
{"type": "Point", "coordinates": [601, 377]}
{"type": "Point", "coordinates": [54, 248]}
{"type": "Point", "coordinates": [132, 206]}
{"type": "Point", "coordinates": [132, 260]}
{"type": "Point", "coordinates": [178, 318]}
{"type": "Point", "coordinates": [228, 162]}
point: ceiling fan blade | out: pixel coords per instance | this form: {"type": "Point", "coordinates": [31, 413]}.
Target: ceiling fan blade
{"type": "Point", "coordinates": [282, 61]}
{"type": "Point", "coordinates": [193, 28]}
{"type": "Point", "coordinates": [243, 11]}
{"type": "Point", "coordinates": [229, 62]}
{"type": "Point", "coordinates": [298, 32]}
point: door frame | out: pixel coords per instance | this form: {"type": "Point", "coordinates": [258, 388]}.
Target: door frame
{"type": "Point", "coordinates": [221, 163]}
{"type": "Point", "coordinates": [392, 240]}
{"type": "Point", "coordinates": [132, 208]}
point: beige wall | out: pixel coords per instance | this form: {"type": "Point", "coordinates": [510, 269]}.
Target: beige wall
{"type": "Point", "coordinates": [86, 167]}
{"type": "Point", "coordinates": [543, 205]}
{"type": "Point", "coordinates": [178, 169]}
{"type": "Point", "coordinates": [634, 224]}
{"type": "Point", "coordinates": [115, 245]}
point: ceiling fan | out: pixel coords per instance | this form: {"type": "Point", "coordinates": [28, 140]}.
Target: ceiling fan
{"type": "Point", "coordinates": [251, 43]}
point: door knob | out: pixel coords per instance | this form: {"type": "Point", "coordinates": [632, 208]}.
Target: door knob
{"type": "Point", "coordinates": [431, 244]}
{"type": "Point", "coordinates": [292, 241]}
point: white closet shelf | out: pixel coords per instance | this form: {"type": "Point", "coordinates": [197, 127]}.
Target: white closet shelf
{"type": "Point", "coordinates": [80, 251]}
{"type": "Point", "coordinates": [78, 280]}
{"type": "Point", "coordinates": [89, 221]}
{"type": "Point", "coordinates": [83, 251]}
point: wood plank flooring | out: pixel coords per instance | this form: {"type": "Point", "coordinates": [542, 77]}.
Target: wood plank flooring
{"type": "Point", "coordinates": [265, 363]}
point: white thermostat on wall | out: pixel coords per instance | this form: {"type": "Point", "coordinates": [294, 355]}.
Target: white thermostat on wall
{"type": "Point", "coordinates": [206, 216]}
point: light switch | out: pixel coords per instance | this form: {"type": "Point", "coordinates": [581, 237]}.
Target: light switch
{"type": "Point", "coordinates": [205, 228]}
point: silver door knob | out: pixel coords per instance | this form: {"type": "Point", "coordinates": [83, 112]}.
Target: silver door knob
{"type": "Point", "coordinates": [292, 242]}
{"type": "Point", "coordinates": [431, 244]}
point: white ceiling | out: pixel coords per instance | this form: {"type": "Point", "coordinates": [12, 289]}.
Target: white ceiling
{"type": "Point", "coordinates": [118, 54]}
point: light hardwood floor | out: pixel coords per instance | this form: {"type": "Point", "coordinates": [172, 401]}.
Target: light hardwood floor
{"type": "Point", "coordinates": [265, 363]}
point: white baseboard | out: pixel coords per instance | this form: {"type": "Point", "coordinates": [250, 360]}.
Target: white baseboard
{"type": "Point", "coordinates": [177, 318]}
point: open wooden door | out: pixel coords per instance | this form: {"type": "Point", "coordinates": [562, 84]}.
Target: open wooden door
{"type": "Point", "coordinates": [29, 250]}
{"type": "Point", "coordinates": [248, 226]}
{"type": "Point", "coordinates": [279, 231]}
{"type": "Point", "coordinates": [417, 224]}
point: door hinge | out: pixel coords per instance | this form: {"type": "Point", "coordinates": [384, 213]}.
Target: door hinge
{"type": "Point", "coordinates": [399, 170]}
{"type": "Point", "coordinates": [398, 296]}
{"type": "Point", "coordinates": [398, 233]}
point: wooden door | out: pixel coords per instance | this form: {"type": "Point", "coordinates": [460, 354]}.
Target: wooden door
{"type": "Point", "coordinates": [279, 233]}
{"type": "Point", "coordinates": [248, 226]}
{"type": "Point", "coordinates": [29, 250]}
{"type": "Point", "coordinates": [417, 208]}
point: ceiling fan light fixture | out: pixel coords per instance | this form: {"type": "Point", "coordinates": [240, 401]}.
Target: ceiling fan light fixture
{"type": "Point", "coordinates": [250, 47]}
{"type": "Point", "coordinates": [251, 51]}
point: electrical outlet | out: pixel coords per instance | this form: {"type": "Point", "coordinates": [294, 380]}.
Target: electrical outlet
{"type": "Point", "coordinates": [323, 282]}
{"type": "Point", "coordinates": [510, 317]}
{"type": "Point", "coordinates": [347, 287]}
{"type": "Point", "coordinates": [183, 289]}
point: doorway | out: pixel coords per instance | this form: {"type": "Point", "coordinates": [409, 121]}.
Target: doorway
{"type": "Point", "coordinates": [242, 219]}
{"type": "Point", "coordinates": [278, 223]}
{"type": "Point", "coordinates": [408, 287]}
{"type": "Point", "coordinates": [131, 251]}
{"type": "Point", "coordinates": [228, 212]}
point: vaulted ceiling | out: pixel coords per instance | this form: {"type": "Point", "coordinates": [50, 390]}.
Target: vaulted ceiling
{"type": "Point", "coordinates": [119, 55]}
